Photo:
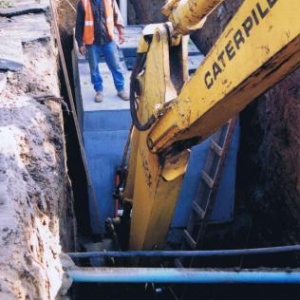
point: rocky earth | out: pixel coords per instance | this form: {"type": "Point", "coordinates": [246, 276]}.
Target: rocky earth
{"type": "Point", "coordinates": [35, 198]}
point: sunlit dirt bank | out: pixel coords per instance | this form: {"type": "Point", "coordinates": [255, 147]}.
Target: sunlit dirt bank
{"type": "Point", "coordinates": [35, 197]}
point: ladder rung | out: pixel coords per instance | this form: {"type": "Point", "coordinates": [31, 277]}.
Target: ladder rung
{"type": "Point", "coordinates": [198, 210]}
{"type": "Point", "coordinates": [189, 239]}
{"type": "Point", "coordinates": [216, 147]}
{"type": "Point", "coordinates": [221, 134]}
{"type": "Point", "coordinates": [209, 181]}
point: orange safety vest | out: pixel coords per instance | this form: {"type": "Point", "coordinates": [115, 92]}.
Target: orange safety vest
{"type": "Point", "coordinates": [88, 30]}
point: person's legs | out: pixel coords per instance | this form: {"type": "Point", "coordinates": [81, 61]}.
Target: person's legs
{"type": "Point", "coordinates": [112, 59]}
{"type": "Point", "coordinates": [94, 58]}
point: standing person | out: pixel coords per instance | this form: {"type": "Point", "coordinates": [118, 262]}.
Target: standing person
{"type": "Point", "coordinates": [94, 34]}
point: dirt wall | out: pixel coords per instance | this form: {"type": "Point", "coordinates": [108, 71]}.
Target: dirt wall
{"type": "Point", "coordinates": [145, 12]}
{"type": "Point", "coordinates": [35, 196]}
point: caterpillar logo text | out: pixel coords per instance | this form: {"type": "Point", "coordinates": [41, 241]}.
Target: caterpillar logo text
{"type": "Point", "coordinates": [239, 38]}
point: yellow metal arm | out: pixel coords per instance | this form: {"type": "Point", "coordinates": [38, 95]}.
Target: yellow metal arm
{"type": "Point", "coordinates": [188, 15]}
{"type": "Point", "coordinates": [258, 48]}
{"type": "Point", "coordinates": [153, 183]}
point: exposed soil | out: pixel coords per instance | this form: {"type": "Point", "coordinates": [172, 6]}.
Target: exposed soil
{"type": "Point", "coordinates": [35, 196]}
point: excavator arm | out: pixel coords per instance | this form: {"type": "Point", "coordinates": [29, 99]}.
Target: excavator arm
{"type": "Point", "coordinates": [172, 112]}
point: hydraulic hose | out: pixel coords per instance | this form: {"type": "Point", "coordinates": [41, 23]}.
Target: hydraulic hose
{"type": "Point", "coordinates": [137, 68]}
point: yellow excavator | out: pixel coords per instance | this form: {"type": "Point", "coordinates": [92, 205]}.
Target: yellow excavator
{"type": "Point", "coordinates": [172, 111]}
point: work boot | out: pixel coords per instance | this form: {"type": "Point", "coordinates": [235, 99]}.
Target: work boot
{"type": "Point", "coordinates": [123, 95]}
{"type": "Point", "coordinates": [99, 97]}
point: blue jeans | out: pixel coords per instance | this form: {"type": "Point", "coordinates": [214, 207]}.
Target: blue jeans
{"type": "Point", "coordinates": [112, 59]}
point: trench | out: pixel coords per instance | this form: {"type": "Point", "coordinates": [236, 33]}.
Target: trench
{"type": "Point", "coordinates": [218, 237]}
{"type": "Point", "coordinates": [75, 162]}
{"type": "Point", "coordinates": [243, 233]}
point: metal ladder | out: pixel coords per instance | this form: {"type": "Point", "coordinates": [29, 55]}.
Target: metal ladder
{"type": "Point", "coordinates": [203, 204]}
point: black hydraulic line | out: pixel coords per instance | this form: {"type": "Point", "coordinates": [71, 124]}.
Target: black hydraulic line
{"type": "Point", "coordinates": [126, 149]}
{"type": "Point", "coordinates": [137, 68]}
{"type": "Point", "coordinates": [194, 253]}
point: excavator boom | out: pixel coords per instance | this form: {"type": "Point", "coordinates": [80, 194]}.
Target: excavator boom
{"type": "Point", "coordinates": [259, 47]}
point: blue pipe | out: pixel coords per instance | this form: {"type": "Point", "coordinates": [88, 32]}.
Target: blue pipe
{"type": "Point", "coordinates": [194, 253]}
{"type": "Point", "coordinates": [173, 275]}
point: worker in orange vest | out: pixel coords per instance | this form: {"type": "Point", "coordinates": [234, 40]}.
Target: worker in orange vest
{"type": "Point", "coordinates": [94, 33]}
